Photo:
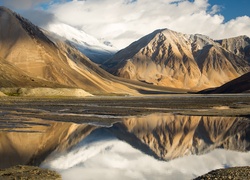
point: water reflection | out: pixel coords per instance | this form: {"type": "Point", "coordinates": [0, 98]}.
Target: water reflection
{"type": "Point", "coordinates": [30, 141]}
{"type": "Point", "coordinates": [187, 146]}
{"type": "Point", "coordinates": [168, 136]}
{"type": "Point", "coordinates": [122, 150]}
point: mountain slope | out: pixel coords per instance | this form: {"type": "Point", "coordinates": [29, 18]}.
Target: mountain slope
{"type": "Point", "coordinates": [238, 45]}
{"type": "Point", "coordinates": [238, 85]}
{"type": "Point", "coordinates": [95, 50]}
{"type": "Point", "coordinates": [28, 58]}
{"type": "Point", "coordinates": [173, 59]}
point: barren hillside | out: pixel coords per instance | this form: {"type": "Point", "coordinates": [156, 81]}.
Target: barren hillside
{"type": "Point", "coordinates": [173, 59]}
{"type": "Point", "coordinates": [29, 58]}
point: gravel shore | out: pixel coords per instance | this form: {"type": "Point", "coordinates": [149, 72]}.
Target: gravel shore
{"type": "Point", "coordinates": [234, 173]}
{"type": "Point", "coordinates": [28, 173]}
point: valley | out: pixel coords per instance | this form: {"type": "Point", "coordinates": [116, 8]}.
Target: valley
{"type": "Point", "coordinates": [170, 105]}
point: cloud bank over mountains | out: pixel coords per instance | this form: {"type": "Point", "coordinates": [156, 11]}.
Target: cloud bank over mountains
{"type": "Point", "coordinates": [124, 21]}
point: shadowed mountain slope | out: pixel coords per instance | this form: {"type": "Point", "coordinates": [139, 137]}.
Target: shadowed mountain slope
{"type": "Point", "coordinates": [26, 50]}
{"type": "Point", "coordinates": [238, 85]}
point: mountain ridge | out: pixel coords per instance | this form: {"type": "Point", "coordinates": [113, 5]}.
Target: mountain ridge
{"type": "Point", "coordinates": [31, 57]}
{"type": "Point", "coordinates": [173, 59]}
{"type": "Point", "coordinates": [31, 52]}
{"type": "Point", "coordinates": [85, 43]}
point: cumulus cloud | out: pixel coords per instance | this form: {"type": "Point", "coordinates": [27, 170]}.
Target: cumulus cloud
{"type": "Point", "coordinates": [114, 20]}
{"type": "Point", "coordinates": [124, 21]}
{"type": "Point", "coordinates": [215, 9]}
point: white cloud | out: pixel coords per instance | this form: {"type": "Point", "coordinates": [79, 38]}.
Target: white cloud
{"type": "Point", "coordinates": [215, 9]}
{"type": "Point", "coordinates": [116, 20]}
{"type": "Point", "coordinates": [104, 157]}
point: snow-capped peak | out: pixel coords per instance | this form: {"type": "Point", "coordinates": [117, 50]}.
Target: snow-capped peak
{"type": "Point", "coordinates": [87, 44]}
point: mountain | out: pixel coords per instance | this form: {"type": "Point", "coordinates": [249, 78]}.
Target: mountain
{"type": "Point", "coordinates": [30, 57]}
{"type": "Point", "coordinates": [95, 50]}
{"type": "Point", "coordinates": [238, 45]}
{"type": "Point", "coordinates": [169, 58]}
{"type": "Point", "coordinates": [238, 85]}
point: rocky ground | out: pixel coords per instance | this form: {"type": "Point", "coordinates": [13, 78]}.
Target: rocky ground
{"type": "Point", "coordinates": [235, 173]}
{"type": "Point", "coordinates": [108, 110]}
{"type": "Point", "coordinates": [28, 173]}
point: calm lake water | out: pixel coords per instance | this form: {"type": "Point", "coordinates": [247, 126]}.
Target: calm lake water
{"type": "Point", "coordinates": [134, 145]}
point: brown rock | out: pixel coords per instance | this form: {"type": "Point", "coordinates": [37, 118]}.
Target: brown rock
{"type": "Point", "coordinates": [28, 173]}
{"type": "Point", "coordinates": [235, 173]}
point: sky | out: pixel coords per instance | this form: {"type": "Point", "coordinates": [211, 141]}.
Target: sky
{"type": "Point", "coordinates": [123, 21]}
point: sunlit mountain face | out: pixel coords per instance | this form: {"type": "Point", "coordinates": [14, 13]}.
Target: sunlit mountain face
{"type": "Point", "coordinates": [173, 59]}
{"type": "Point", "coordinates": [31, 58]}
{"type": "Point", "coordinates": [158, 146]}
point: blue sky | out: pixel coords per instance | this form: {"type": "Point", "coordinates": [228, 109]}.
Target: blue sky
{"type": "Point", "coordinates": [231, 9]}
{"type": "Point", "coordinates": [124, 21]}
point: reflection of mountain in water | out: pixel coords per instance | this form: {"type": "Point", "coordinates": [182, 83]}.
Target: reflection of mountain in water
{"type": "Point", "coordinates": [163, 136]}
{"type": "Point", "coordinates": [31, 141]}
{"type": "Point", "coordinates": [120, 151]}
{"type": "Point", "coordinates": [171, 136]}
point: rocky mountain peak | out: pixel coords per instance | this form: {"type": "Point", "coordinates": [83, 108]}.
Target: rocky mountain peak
{"type": "Point", "coordinates": [29, 58]}
{"type": "Point", "coordinates": [172, 59]}
{"type": "Point", "coordinates": [238, 45]}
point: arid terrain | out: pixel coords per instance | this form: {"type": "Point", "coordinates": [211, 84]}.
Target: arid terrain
{"type": "Point", "coordinates": [108, 109]}
{"type": "Point", "coordinates": [168, 99]}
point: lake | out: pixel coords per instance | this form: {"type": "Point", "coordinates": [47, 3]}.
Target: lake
{"type": "Point", "coordinates": [161, 137]}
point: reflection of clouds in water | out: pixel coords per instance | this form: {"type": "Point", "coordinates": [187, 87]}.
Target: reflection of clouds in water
{"type": "Point", "coordinates": [110, 158]}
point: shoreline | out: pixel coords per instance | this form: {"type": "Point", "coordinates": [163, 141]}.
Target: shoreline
{"type": "Point", "coordinates": [107, 110]}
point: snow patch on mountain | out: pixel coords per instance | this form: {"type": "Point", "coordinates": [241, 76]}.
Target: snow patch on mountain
{"type": "Point", "coordinates": [94, 49]}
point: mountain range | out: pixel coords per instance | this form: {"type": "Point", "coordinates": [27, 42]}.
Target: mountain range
{"type": "Point", "coordinates": [63, 57]}
{"type": "Point", "coordinates": [31, 57]}
{"type": "Point", "coordinates": [169, 58]}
